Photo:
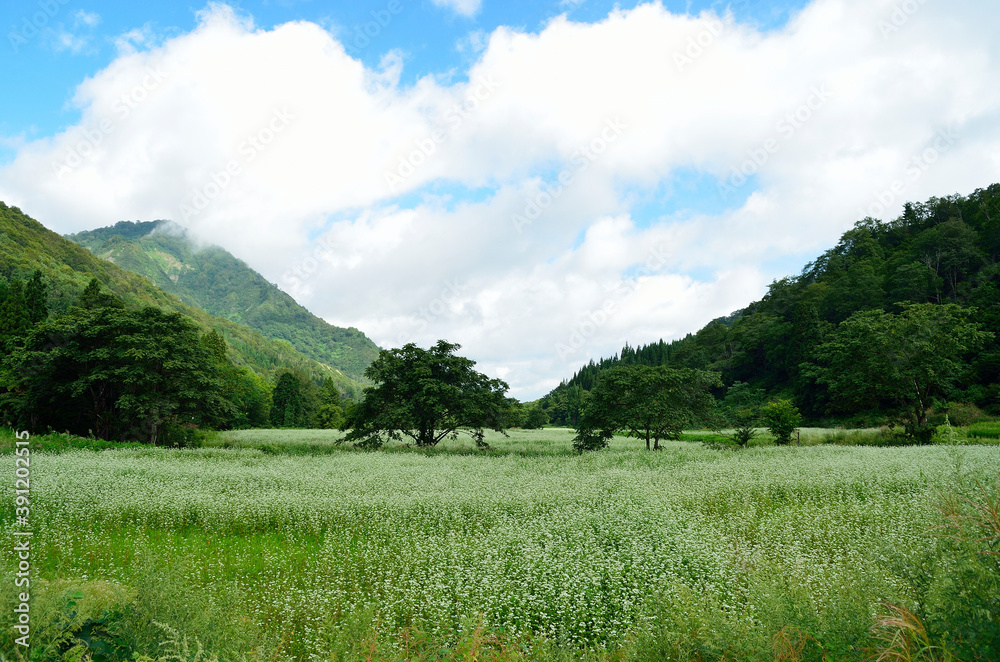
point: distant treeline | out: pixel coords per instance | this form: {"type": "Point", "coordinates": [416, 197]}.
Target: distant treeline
{"type": "Point", "coordinates": [940, 252]}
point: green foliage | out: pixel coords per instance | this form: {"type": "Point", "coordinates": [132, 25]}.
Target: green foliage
{"type": "Point", "coordinates": [781, 418]}
{"type": "Point", "coordinates": [67, 268]}
{"type": "Point", "coordinates": [535, 419]}
{"type": "Point", "coordinates": [646, 403]}
{"type": "Point", "coordinates": [426, 395]}
{"type": "Point", "coordinates": [944, 251]}
{"type": "Point", "coordinates": [984, 430]}
{"type": "Point", "coordinates": [330, 413]}
{"type": "Point", "coordinates": [225, 287]}
{"type": "Point", "coordinates": [741, 410]}
{"type": "Point", "coordinates": [744, 421]}
{"type": "Point", "coordinates": [962, 414]}
{"type": "Point", "coordinates": [115, 373]}
{"type": "Point", "coordinates": [35, 298]}
{"type": "Point", "coordinates": [957, 583]}
{"type": "Point", "coordinates": [898, 361]}
{"type": "Point", "coordinates": [287, 407]}
{"type": "Point", "coordinates": [15, 315]}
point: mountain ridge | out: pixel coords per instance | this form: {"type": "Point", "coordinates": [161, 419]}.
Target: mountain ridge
{"type": "Point", "coordinates": [27, 245]}
{"type": "Point", "coordinates": [212, 279]}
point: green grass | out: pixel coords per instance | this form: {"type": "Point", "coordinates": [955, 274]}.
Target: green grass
{"type": "Point", "coordinates": [984, 430]}
{"type": "Point", "coordinates": [310, 551]}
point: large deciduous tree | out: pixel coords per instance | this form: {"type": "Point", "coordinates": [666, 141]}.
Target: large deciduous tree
{"type": "Point", "coordinates": [646, 403]}
{"type": "Point", "coordinates": [426, 395]}
{"type": "Point", "coordinates": [901, 362]}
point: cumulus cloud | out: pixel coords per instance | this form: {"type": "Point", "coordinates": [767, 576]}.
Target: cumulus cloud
{"type": "Point", "coordinates": [522, 211]}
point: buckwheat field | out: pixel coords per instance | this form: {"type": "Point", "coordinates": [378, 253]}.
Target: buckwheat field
{"type": "Point", "coordinates": [303, 551]}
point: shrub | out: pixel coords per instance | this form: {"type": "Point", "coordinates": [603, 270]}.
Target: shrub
{"type": "Point", "coordinates": [884, 436]}
{"type": "Point", "coordinates": [781, 417]}
{"type": "Point", "coordinates": [963, 414]}
{"type": "Point", "coordinates": [744, 425]}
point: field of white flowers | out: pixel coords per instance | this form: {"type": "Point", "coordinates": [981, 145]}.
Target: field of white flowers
{"type": "Point", "coordinates": [288, 556]}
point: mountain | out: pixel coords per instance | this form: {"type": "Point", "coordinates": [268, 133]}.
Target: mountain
{"type": "Point", "coordinates": [67, 267]}
{"type": "Point", "coordinates": [943, 251]}
{"type": "Point", "coordinates": [212, 279]}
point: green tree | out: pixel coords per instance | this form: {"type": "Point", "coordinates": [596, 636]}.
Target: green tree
{"type": "Point", "coordinates": [35, 298]}
{"type": "Point", "coordinates": [781, 418]}
{"type": "Point", "coordinates": [94, 296]}
{"type": "Point", "coordinates": [535, 419]}
{"type": "Point", "coordinates": [645, 403]}
{"type": "Point", "coordinates": [950, 251]}
{"type": "Point", "coordinates": [330, 413]}
{"type": "Point", "coordinates": [287, 405]}
{"type": "Point", "coordinates": [243, 401]}
{"type": "Point", "coordinates": [116, 373]}
{"type": "Point", "coordinates": [902, 362]}
{"type": "Point", "coordinates": [15, 316]}
{"type": "Point", "coordinates": [426, 395]}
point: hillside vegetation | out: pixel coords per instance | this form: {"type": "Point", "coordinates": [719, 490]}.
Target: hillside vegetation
{"type": "Point", "coordinates": [937, 261]}
{"type": "Point", "coordinates": [67, 268]}
{"type": "Point", "coordinates": [214, 280]}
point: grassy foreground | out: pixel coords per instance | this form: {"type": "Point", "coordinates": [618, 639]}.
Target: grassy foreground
{"type": "Point", "coordinates": [277, 545]}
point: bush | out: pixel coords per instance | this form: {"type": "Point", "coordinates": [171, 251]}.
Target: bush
{"type": "Point", "coordinates": [184, 435]}
{"type": "Point", "coordinates": [884, 436]}
{"type": "Point", "coordinates": [744, 426]}
{"type": "Point", "coordinates": [960, 414]}
{"type": "Point", "coordinates": [781, 418]}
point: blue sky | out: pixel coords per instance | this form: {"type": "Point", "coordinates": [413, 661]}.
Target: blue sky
{"type": "Point", "coordinates": [40, 72]}
{"type": "Point", "coordinates": [499, 173]}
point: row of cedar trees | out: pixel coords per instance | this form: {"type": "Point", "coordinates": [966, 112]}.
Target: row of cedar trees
{"type": "Point", "coordinates": [102, 369]}
{"type": "Point", "coordinates": [942, 253]}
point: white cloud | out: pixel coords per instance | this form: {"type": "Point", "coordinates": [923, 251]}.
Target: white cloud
{"type": "Point", "coordinates": [284, 137]}
{"type": "Point", "coordinates": [463, 7]}
{"type": "Point", "coordinates": [76, 38]}
{"type": "Point", "coordinates": [136, 38]}
{"type": "Point", "coordinates": [85, 18]}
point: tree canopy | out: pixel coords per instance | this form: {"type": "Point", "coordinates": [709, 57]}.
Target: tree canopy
{"type": "Point", "coordinates": [646, 403]}
{"type": "Point", "coordinates": [114, 372]}
{"type": "Point", "coordinates": [426, 395]}
{"type": "Point", "coordinates": [131, 374]}
{"type": "Point", "coordinates": [898, 361]}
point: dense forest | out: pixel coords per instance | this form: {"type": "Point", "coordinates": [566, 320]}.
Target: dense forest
{"type": "Point", "coordinates": [215, 281]}
{"type": "Point", "coordinates": [942, 253]}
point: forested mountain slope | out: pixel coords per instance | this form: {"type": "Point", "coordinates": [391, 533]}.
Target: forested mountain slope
{"type": "Point", "coordinates": [943, 251]}
{"type": "Point", "coordinates": [222, 285]}
{"type": "Point", "coordinates": [67, 268]}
